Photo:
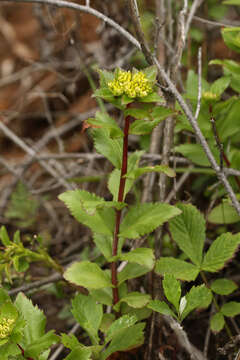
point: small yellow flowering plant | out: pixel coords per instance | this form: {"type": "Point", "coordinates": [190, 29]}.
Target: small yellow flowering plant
{"type": "Point", "coordinates": [134, 85]}
{"type": "Point", "coordinates": [122, 87]}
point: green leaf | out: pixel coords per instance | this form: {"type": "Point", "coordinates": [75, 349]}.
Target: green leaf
{"type": "Point", "coordinates": [20, 263]}
{"type": "Point", "coordinates": [104, 244]}
{"type": "Point", "coordinates": [88, 275]}
{"type": "Point", "coordinates": [35, 342]}
{"type": "Point", "coordinates": [118, 325]}
{"type": "Point", "coordinates": [4, 296]}
{"type": "Point", "coordinates": [107, 320]}
{"type": "Point", "coordinates": [125, 339]}
{"type": "Point", "coordinates": [84, 207]}
{"type": "Point", "coordinates": [79, 353]}
{"type": "Point", "coordinates": [4, 236]}
{"type": "Point", "coordinates": [105, 77]}
{"type": "Point", "coordinates": [88, 314]}
{"type": "Point", "coordinates": [195, 153]}
{"type": "Point", "coordinates": [160, 307]}
{"type": "Point", "coordinates": [137, 113]}
{"type": "Point", "coordinates": [221, 250]}
{"type": "Point", "coordinates": [231, 309]}
{"type": "Point", "coordinates": [231, 2]}
{"type": "Point", "coordinates": [34, 317]}
{"type": "Point", "coordinates": [223, 214]}
{"type": "Point", "coordinates": [103, 120]}
{"type": "Point", "coordinates": [220, 85]}
{"type": "Point", "coordinates": [146, 169]}
{"type": "Point", "coordinates": [188, 231]}
{"type": "Point", "coordinates": [103, 296]}
{"type": "Point", "coordinates": [110, 148]}
{"type": "Point", "coordinates": [151, 73]}
{"type": "Point", "coordinates": [178, 268]}
{"type": "Point", "coordinates": [223, 286]}
{"type": "Point", "coordinates": [141, 127]}
{"type": "Point", "coordinates": [40, 345]}
{"type": "Point", "coordinates": [198, 297]}
{"type": "Point", "coordinates": [192, 85]}
{"type": "Point", "coordinates": [132, 271]}
{"type": "Point", "coordinates": [143, 219]}
{"type": "Point", "coordinates": [217, 322]}
{"type": "Point", "coordinates": [114, 179]}
{"type": "Point", "coordinates": [172, 290]}
{"type": "Point", "coordinates": [153, 97]}
{"type": "Point", "coordinates": [8, 350]}
{"type": "Point", "coordinates": [135, 299]}
{"type": "Point", "coordinates": [141, 256]}
{"type": "Point", "coordinates": [231, 37]}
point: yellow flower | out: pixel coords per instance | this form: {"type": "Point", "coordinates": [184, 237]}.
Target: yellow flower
{"type": "Point", "coordinates": [5, 327]}
{"type": "Point", "coordinates": [208, 95]}
{"type": "Point", "coordinates": [133, 85]}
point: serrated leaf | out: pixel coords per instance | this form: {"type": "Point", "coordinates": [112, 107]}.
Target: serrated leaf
{"type": "Point", "coordinates": [161, 307]}
{"type": "Point", "coordinates": [198, 297]}
{"type": "Point", "coordinates": [40, 345]}
{"type": "Point", "coordinates": [141, 256]}
{"type": "Point", "coordinates": [223, 214]}
{"type": "Point", "coordinates": [135, 299]}
{"type": "Point", "coordinates": [34, 317]}
{"type": "Point", "coordinates": [105, 77]}
{"type": "Point", "coordinates": [217, 322]}
{"type": "Point", "coordinates": [4, 296]}
{"type": "Point", "coordinates": [88, 314]}
{"type": "Point", "coordinates": [125, 339]}
{"type": "Point", "coordinates": [83, 206]}
{"type": "Point", "coordinates": [118, 325]}
{"type": "Point", "coordinates": [88, 275]}
{"type": "Point", "coordinates": [178, 268]}
{"type": "Point", "coordinates": [79, 353]}
{"type": "Point", "coordinates": [172, 290]}
{"type": "Point", "coordinates": [8, 350]}
{"type": "Point", "coordinates": [221, 250]}
{"type": "Point", "coordinates": [188, 231]}
{"type": "Point", "coordinates": [231, 309]}
{"type": "Point", "coordinates": [110, 148]}
{"type": "Point", "coordinates": [134, 174]}
{"type": "Point", "coordinates": [103, 120]}
{"type": "Point", "coordinates": [131, 271]}
{"type": "Point", "coordinates": [143, 219]}
{"type": "Point", "coordinates": [223, 286]}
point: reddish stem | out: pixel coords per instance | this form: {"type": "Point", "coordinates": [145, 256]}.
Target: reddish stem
{"type": "Point", "coordinates": [22, 351]}
{"type": "Point", "coordinates": [119, 212]}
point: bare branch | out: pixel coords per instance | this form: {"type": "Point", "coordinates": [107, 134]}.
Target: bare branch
{"type": "Point", "coordinates": [86, 9]}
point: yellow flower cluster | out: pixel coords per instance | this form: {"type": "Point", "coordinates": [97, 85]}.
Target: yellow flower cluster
{"type": "Point", "coordinates": [5, 327]}
{"type": "Point", "coordinates": [133, 85]}
{"type": "Point", "coordinates": [208, 95]}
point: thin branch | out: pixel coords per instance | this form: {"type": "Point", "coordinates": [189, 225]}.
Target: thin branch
{"type": "Point", "coordinates": [60, 348]}
{"type": "Point", "coordinates": [199, 84]}
{"type": "Point", "coordinates": [192, 12]}
{"type": "Point", "coordinates": [86, 9]}
{"type": "Point", "coordinates": [230, 23]}
{"type": "Point", "coordinates": [36, 284]}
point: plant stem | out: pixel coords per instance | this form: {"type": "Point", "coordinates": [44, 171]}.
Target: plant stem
{"type": "Point", "coordinates": [22, 351]}
{"type": "Point", "coordinates": [119, 212]}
